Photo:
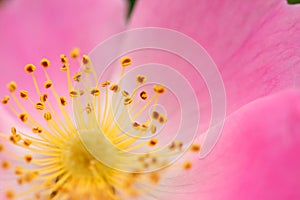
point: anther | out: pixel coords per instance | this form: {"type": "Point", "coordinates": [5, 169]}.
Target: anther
{"type": "Point", "coordinates": [154, 178]}
{"type": "Point", "coordinates": [125, 93]}
{"type": "Point", "coordinates": [23, 117]}
{"type": "Point", "coordinates": [5, 100]}
{"type": "Point", "coordinates": [45, 63]}
{"type": "Point", "coordinates": [30, 176]}
{"type": "Point", "coordinates": [48, 84]}
{"type": "Point", "coordinates": [86, 60]}
{"type": "Point", "coordinates": [89, 108]}
{"type": "Point", "coordinates": [180, 144]}
{"type": "Point", "coordinates": [154, 160]}
{"type": "Point", "coordinates": [30, 68]}
{"type": "Point", "coordinates": [81, 92]}
{"type": "Point", "coordinates": [27, 142]}
{"type": "Point", "coordinates": [153, 128]}
{"type": "Point", "coordinates": [87, 69]}
{"type": "Point", "coordinates": [115, 88]}
{"type": "Point", "coordinates": [195, 147]}
{"type": "Point", "coordinates": [77, 76]}
{"type": "Point", "coordinates": [144, 95]}
{"type": "Point", "coordinates": [64, 68]}
{"type": "Point", "coordinates": [24, 94]}
{"type": "Point", "coordinates": [128, 101]}
{"type": "Point", "coordinates": [74, 93]}
{"type": "Point", "coordinates": [125, 61]}
{"type": "Point", "coordinates": [155, 115]}
{"type": "Point", "coordinates": [63, 101]}
{"type": "Point", "coordinates": [15, 138]}
{"type": "Point", "coordinates": [187, 165]}
{"type": "Point", "coordinates": [37, 130]}
{"type": "Point", "coordinates": [28, 158]}
{"type": "Point", "coordinates": [47, 116]}
{"type": "Point", "coordinates": [95, 91]}
{"type": "Point", "coordinates": [1, 147]}
{"type": "Point", "coordinates": [75, 53]}
{"type": "Point", "coordinates": [106, 83]}
{"type": "Point", "coordinates": [141, 79]}
{"type": "Point", "coordinates": [153, 142]}
{"type": "Point", "coordinates": [20, 181]}
{"type": "Point", "coordinates": [37, 196]}
{"type": "Point", "coordinates": [176, 144]}
{"type": "Point", "coordinates": [13, 130]}
{"type": "Point", "coordinates": [159, 89]}
{"type": "Point", "coordinates": [39, 106]}
{"type": "Point", "coordinates": [135, 125]}
{"type": "Point", "coordinates": [43, 98]}
{"type": "Point", "coordinates": [12, 86]}
{"type": "Point", "coordinates": [5, 164]}
{"type": "Point", "coordinates": [19, 170]}
{"type": "Point", "coordinates": [10, 194]}
{"type": "Point", "coordinates": [144, 126]}
{"type": "Point", "coordinates": [162, 119]}
{"type": "Point", "coordinates": [63, 59]}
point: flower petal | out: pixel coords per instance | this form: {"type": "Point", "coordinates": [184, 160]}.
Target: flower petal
{"type": "Point", "coordinates": [36, 29]}
{"type": "Point", "coordinates": [255, 43]}
{"type": "Point", "coordinates": [257, 155]}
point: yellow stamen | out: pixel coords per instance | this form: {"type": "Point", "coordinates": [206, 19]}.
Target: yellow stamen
{"type": "Point", "coordinates": [141, 79]}
{"type": "Point", "coordinates": [159, 89]}
{"type": "Point", "coordinates": [63, 59]}
{"type": "Point", "coordinates": [57, 165]}
{"type": "Point", "coordinates": [12, 86]}
{"type": "Point", "coordinates": [144, 95]}
{"type": "Point", "coordinates": [125, 61]}
{"type": "Point", "coordinates": [45, 63]}
{"type": "Point", "coordinates": [30, 68]}
{"type": "Point", "coordinates": [5, 100]}
{"type": "Point", "coordinates": [24, 94]}
{"type": "Point", "coordinates": [75, 53]}
{"type": "Point", "coordinates": [23, 117]}
{"type": "Point", "coordinates": [48, 84]}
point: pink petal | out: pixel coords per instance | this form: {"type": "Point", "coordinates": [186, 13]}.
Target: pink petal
{"type": "Point", "coordinates": [31, 30]}
{"type": "Point", "coordinates": [257, 155]}
{"type": "Point", "coordinates": [254, 43]}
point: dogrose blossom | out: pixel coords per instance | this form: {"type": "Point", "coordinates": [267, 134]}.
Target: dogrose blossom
{"type": "Point", "coordinates": [255, 44]}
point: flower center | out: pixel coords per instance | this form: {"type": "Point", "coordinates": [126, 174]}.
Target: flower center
{"type": "Point", "coordinates": [77, 160]}
{"type": "Point", "coordinates": [93, 158]}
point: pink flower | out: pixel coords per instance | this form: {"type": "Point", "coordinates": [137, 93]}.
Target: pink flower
{"type": "Point", "coordinates": [255, 45]}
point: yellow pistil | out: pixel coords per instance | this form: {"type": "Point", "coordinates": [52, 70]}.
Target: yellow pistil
{"type": "Point", "coordinates": [58, 163]}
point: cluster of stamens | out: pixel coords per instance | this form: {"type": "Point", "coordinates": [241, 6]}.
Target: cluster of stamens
{"type": "Point", "coordinates": [57, 164]}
